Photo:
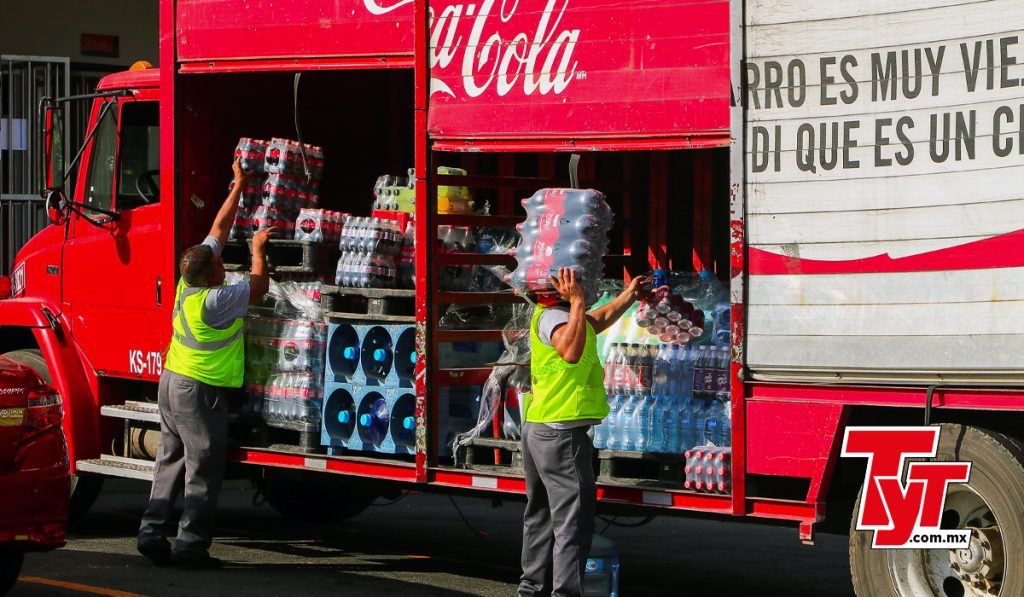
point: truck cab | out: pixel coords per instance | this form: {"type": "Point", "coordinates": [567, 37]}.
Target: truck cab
{"type": "Point", "coordinates": [90, 293]}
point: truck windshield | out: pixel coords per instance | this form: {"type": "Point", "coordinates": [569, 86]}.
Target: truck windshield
{"type": "Point", "coordinates": [139, 171]}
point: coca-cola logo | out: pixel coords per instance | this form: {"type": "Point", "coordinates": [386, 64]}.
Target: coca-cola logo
{"type": "Point", "coordinates": [536, 56]}
{"type": "Point", "coordinates": [308, 225]}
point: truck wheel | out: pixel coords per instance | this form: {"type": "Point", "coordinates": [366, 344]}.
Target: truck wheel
{"type": "Point", "coordinates": [316, 497]}
{"type": "Point", "coordinates": [989, 505]}
{"type": "Point", "coordinates": [10, 568]}
{"type": "Point", "coordinates": [84, 490]}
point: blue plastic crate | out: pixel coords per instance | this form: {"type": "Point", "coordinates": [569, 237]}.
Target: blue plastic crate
{"type": "Point", "coordinates": [381, 355]}
{"type": "Point", "coordinates": [348, 419]}
{"type": "Point", "coordinates": [369, 418]}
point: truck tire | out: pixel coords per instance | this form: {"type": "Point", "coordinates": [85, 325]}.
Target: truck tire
{"type": "Point", "coordinates": [316, 497]}
{"type": "Point", "coordinates": [84, 490]}
{"type": "Point", "coordinates": [10, 568]}
{"type": "Point", "coordinates": [990, 503]}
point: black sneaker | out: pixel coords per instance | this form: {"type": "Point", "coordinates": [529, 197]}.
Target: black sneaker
{"type": "Point", "coordinates": [158, 552]}
{"type": "Point", "coordinates": [197, 562]}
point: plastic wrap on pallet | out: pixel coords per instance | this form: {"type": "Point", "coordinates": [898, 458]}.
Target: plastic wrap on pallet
{"type": "Point", "coordinates": [285, 354]}
{"type": "Point", "coordinates": [493, 241]}
{"type": "Point", "coordinates": [515, 362]}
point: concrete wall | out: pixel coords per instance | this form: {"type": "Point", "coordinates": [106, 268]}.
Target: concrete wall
{"type": "Point", "coordinates": [54, 28]}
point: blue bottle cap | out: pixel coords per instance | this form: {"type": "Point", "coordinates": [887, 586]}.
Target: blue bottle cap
{"type": "Point", "coordinates": [350, 352]}
{"type": "Point", "coordinates": [344, 417]}
{"type": "Point", "coordinates": [409, 423]}
{"type": "Point", "coordinates": [364, 419]}
{"type": "Point", "coordinates": [412, 358]}
{"type": "Point", "coordinates": [379, 355]}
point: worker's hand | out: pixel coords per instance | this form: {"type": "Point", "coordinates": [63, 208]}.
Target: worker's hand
{"type": "Point", "coordinates": [635, 289]}
{"type": "Point", "coordinates": [259, 240]}
{"type": "Point", "coordinates": [241, 176]}
{"type": "Point", "coordinates": [567, 286]}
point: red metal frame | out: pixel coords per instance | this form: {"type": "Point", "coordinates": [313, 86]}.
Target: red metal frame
{"type": "Point", "coordinates": [293, 64]}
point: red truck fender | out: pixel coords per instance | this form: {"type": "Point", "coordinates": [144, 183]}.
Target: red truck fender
{"type": "Point", "coordinates": [69, 371]}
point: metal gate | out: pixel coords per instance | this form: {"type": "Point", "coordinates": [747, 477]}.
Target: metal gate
{"type": "Point", "coordinates": [24, 80]}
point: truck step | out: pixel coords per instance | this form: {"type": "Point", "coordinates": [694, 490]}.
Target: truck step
{"type": "Point", "coordinates": [136, 411]}
{"type": "Point", "coordinates": [117, 466]}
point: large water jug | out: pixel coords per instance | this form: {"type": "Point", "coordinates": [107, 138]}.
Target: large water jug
{"type": "Point", "coordinates": [602, 570]}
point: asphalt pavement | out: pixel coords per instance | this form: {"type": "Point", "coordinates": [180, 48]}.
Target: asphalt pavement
{"type": "Point", "coordinates": [421, 545]}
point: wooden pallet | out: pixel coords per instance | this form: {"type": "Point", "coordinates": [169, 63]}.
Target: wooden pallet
{"type": "Point", "coordinates": [494, 455]}
{"type": "Point", "coordinates": [284, 256]}
{"type": "Point", "coordinates": [393, 305]}
{"type": "Point", "coordinates": [641, 469]}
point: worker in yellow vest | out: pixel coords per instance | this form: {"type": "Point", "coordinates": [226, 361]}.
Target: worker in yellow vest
{"type": "Point", "coordinates": [206, 356]}
{"type": "Point", "coordinates": [568, 399]}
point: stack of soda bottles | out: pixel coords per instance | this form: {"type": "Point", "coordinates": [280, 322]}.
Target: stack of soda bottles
{"type": "Point", "coordinates": [395, 192]}
{"type": "Point", "coordinates": [669, 317]}
{"type": "Point", "coordinates": [369, 247]}
{"type": "Point", "coordinates": [319, 225]}
{"type": "Point", "coordinates": [666, 398]}
{"type": "Point", "coordinates": [285, 370]}
{"type": "Point", "coordinates": [406, 276]}
{"type": "Point", "coordinates": [564, 228]}
{"type": "Point", "coordinates": [398, 193]}
{"type": "Point", "coordinates": [285, 181]}
{"type": "Point", "coordinates": [708, 468]}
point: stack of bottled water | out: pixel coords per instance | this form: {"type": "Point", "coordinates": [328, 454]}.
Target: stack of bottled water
{"type": "Point", "coordinates": [369, 246]}
{"type": "Point", "coordinates": [665, 398]}
{"type": "Point", "coordinates": [563, 228]}
{"type": "Point", "coordinates": [284, 370]}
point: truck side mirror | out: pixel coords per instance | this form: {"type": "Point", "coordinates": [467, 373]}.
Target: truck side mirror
{"type": "Point", "coordinates": [53, 145]}
{"type": "Point", "coordinates": [57, 207]}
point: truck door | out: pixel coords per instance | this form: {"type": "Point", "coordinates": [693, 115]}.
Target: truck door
{"type": "Point", "coordinates": [114, 283]}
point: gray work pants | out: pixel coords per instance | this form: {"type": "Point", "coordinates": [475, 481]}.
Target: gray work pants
{"type": "Point", "coordinates": [558, 524]}
{"type": "Point", "coordinates": [192, 456]}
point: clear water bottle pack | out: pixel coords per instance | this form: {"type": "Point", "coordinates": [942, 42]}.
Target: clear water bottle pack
{"type": "Point", "coordinates": [563, 228]}
{"type": "Point", "coordinates": [369, 248]}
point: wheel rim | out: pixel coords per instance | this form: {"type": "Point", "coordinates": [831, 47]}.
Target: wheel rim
{"type": "Point", "coordinates": [972, 572]}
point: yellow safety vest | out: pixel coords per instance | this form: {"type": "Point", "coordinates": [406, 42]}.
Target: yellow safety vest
{"type": "Point", "coordinates": [564, 391]}
{"type": "Point", "coordinates": [212, 356]}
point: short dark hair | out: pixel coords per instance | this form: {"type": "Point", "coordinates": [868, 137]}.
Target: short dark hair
{"type": "Point", "coordinates": [195, 264]}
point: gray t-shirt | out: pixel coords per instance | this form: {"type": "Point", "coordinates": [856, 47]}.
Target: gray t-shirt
{"type": "Point", "coordinates": [224, 304]}
{"type": "Point", "coordinates": [549, 321]}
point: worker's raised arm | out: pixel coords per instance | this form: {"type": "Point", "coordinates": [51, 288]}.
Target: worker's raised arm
{"type": "Point", "coordinates": [259, 278]}
{"type": "Point", "coordinates": [606, 315]}
{"type": "Point", "coordinates": [226, 216]}
{"type": "Point", "coordinates": [570, 338]}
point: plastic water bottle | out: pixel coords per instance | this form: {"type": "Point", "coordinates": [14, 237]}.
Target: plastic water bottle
{"type": "Point", "coordinates": [716, 423]}
{"type": "Point", "coordinates": [614, 422]}
{"type": "Point", "coordinates": [405, 433]}
{"type": "Point", "coordinates": [375, 423]}
{"type": "Point", "coordinates": [720, 331]}
{"type": "Point", "coordinates": [670, 424]}
{"type": "Point", "coordinates": [626, 431]}
{"type": "Point", "coordinates": [611, 365]}
{"type": "Point", "coordinates": [601, 430]}
{"type": "Point", "coordinates": [378, 356]}
{"type": "Point", "coordinates": [642, 422]}
{"type": "Point", "coordinates": [722, 374]}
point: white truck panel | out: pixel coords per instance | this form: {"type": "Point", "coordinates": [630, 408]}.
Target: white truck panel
{"type": "Point", "coordinates": [871, 241]}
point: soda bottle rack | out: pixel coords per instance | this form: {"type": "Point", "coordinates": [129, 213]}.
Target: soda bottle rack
{"type": "Point", "coordinates": [283, 256]}
{"type": "Point", "coordinates": [371, 354]}
{"type": "Point", "coordinates": [369, 418]}
{"type": "Point", "coordinates": [646, 469]}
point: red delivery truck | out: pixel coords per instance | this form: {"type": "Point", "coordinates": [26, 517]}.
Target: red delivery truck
{"type": "Point", "coordinates": [839, 173]}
